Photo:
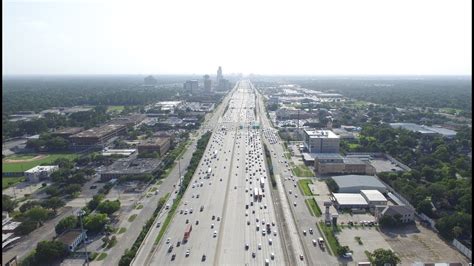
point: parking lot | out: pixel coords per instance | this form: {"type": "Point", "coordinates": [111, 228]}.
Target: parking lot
{"type": "Point", "coordinates": [384, 165]}
{"type": "Point", "coordinates": [371, 239]}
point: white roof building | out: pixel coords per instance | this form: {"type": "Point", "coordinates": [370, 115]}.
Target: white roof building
{"type": "Point", "coordinates": [350, 200]}
{"type": "Point", "coordinates": [374, 197]}
{"type": "Point", "coordinates": [39, 172]}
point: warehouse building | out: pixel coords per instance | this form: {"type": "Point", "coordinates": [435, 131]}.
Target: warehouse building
{"type": "Point", "coordinates": [156, 144]}
{"type": "Point", "coordinates": [333, 163]}
{"type": "Point", "coordinates": [356, 183]}
{"type": "Point", "coordinates": [321, 141]}
{"type": "Point", "coordinates": [349, 201]}
{"type": "Point", "coordinates": [130, 167]}
{"type": "Point", "coordinates": [40, 172]}
{"type": "Point", "coordinates": [373, 197]}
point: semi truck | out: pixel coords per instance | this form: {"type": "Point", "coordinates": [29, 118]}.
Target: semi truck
{"type": "Point", "coordinates": [187, 232]}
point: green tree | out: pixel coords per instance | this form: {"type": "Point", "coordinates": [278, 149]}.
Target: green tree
{"type": "Point", "coordinates": [425, 207]}
{"type": "Point", "coordinates": [95, 222]}
{"type": "Point", "coordinates": [37, 214]}
{"type": "Point", "coordinates": [29, 204]}
{"type": "Point", "coordinates": [53, 203]}
{"type": "Point", "coordinates": [26, 227]}
{"type": "Point", "coordinates": [108, 207]}
{"type": "Point", "coordinates": [8, 204]}
{"type": "Point", "coordinates": [382, 257]}
{"type": "Point", "coordinates": [65, 224]}
{"type": "Point", "coordinates": [94, 202]}
{"type": "Point", "coordinates": [72, 188]}
{"type": "Point", "coordinates": [50, 251]}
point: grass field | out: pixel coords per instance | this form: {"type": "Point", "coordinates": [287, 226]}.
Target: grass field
{"type": "Point", "coordinates": [303, 185]}
{"type": "Point", "coordinates": [23, 166]}
{"type": "Point", "coordinates": [10, 181]}
{"type": "Point", "coordinates": [329, 235]}
{"type": "Point", "coordinates": [115, 108]}
{"type": "Point", "coordinates": [313, 206]}
{"type": "Point", "coordinates": [302, 171]}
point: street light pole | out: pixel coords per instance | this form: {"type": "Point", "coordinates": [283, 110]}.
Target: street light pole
{"type": "Point", "coordinates": [80, 213]}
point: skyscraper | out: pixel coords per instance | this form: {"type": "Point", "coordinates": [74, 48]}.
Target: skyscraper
{"type": "Point", "coordinates": [207, 83]}
{"type": "Point", "coordinates": [219, 75]}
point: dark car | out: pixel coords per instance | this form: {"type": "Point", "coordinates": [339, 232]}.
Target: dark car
{"type": "Point", "coordinates": [203, 258]}
{"type": "Point", "coordinates": [173, 256]}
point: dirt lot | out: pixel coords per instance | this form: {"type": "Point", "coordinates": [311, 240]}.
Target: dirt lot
{"type": "Point", "coordinates": [370, 237]}
{"type": "Point", "coordinates": [419, 244]}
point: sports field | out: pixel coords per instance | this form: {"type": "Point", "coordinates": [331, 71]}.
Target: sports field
{"type": "Point", "coordinates": [21, 163]}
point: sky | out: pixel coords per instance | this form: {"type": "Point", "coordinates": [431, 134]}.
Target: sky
{"type": "Point", "coordinates": [297, 37]}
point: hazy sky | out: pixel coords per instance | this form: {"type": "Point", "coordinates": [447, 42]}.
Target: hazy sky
{"type": "Point", "coordinates": [327, 37]}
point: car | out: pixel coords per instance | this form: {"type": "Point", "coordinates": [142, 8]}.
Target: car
{"type": "Point", "coordinates": [203, 258]}
{"type": "Point", "coordinates": [263, 233]}
{"type": "Point", "coordinates": [270, 241]}
{"type": "Point", "coordinates": [267, 262]}
{"type": "Point", "coordinates": [173, 256]}
{"type": "Point", "coordinates": [311, 230]}
{"type": "Point", "coordinates": [274, 232]}
{"type": "Point", "coordinates": [248, 222]}
{"type": "Point", "coordinates": [187, 221]}
{"type": "Point", "coordinates": [289, 191]}
{"type": "Point", "coordinates": [246, 246]}
{"type": "Point", "coordinates": [197, 222]}
{"type": "Point", "coordinates": [202, 208]}
{"type": "Point", "coordinates": [304, 232]}
{"type": "Point", "coordinates": [347, 255]}
{"type": "Point", "coordinates": [214, 234]}
{"type": "Point", "coordinates": [181, 212]}
{"type": "Point", "coordinates": [197, 196]}
{"type": "Point", "coordinates": [294, 203]}
{"type": "Point", "coordinates": [191, 210]}
{"type": "Point", "coordinates": [213, 217]}
{"type": "Point", "coordinates": [178, 243]}
{"type": "Point", "coordinates": [212, 226]}
{"type": "Point", "coordinates": [314, 242]}
{"type": "Point", "coordinates": [218, 218]}
{"type": "Point", "coordinates": [259, 246]}
{"type": "Point", "coordinates": [158, 224]}
{"type": "Point", "coordinates": [301, 257]}
{"type": "Point", "coordinates": [272, 256]}
{"type": "Point", "coordinates": [168, 240]}
{"type": "Point", "coordinates": [170, 248]}
{"type": "Point", "coordinates": [185, 211]}
{"type": "Point", "coordinates": [254, 254]}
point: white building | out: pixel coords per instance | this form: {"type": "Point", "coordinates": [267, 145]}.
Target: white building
{"type": "Point", "coordinates": [374, 197]}
{"type": "Point", "coordinates": [349, 201]}
{"type": "Point", "coordinates": [40, 172]}
{"type": "Point", "coordinates": [321, 141]}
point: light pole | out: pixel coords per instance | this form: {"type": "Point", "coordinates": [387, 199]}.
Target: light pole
{"type": "Point", "coordinates": [80, 213]}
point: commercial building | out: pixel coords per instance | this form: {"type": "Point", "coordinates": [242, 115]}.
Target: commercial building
{"type": "Point", "coordinates": [406, 213]}
{"type": "Point", "coordinates": [156, 144]}
{"type": "Point", "coordinates": [66, 132]}
{"type": "Point", "coordinates": [356, 183]}
{"type": "Point", "coordinates": [39, 172]}
{"type": "Point", "coordinates": [349, 201]}
{"type": "Point", "coordinates": [207, 83]}
{"type": "Point", "coordinates": [373, 197]}
{"type": "Point", "coordinates": [191, 85]}
{"type": "Point", "coordinates": [130, 167]}
{"type": "Point", "coordinates": [122, 152]}
{"type": "Point", "coordinates": [288, 114]}
{"type": "Point", "coordinates": [321, 141]}
{"type": "Point", "coordinates": [425, 130]}
{"type": "Point", "coordinates": [72, 238]}
{"type": "Point", "coordinates": [97, 136]}
{"type": "Point", "coordinates": [333, 163]}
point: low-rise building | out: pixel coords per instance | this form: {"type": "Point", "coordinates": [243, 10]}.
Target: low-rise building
{"type": "Point", "coordinates": [321, 141]}
{"type": "Point", "coordinates": [66, 132]}
{"type": "Point", "coordinates": [374, 197]}
{"type": "Point", "coordinates": [333, 163]}
{"type": "Point", "coordinates": [356, 183]}
{"type": "Point", "coordinates": [97, 136]}
{"type": "Point", "coordinates": [349, 201]}
{"type": "Point", "coordinates": [72, 238]}
{"type": "Point", "coordinates": [406, 213]}
{"type": "Point", "coordinates": [156, 144]}
{"type": "Point", "coordinates": [130, 167]}
{"type": "Point", "coordinates": [122, 152]}
{"type": "Point", "coordinates": [40, 172]}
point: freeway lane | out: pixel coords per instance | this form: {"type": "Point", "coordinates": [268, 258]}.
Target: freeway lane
{"type": "Point", "coordinates": [302, 218]}
{"type": "Point", "coordinates": [222, 230]}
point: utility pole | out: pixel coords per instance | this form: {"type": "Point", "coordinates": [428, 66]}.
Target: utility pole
{"type": "Point", "coordinates": [80, 213]}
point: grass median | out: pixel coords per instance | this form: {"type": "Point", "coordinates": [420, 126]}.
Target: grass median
{"type": "Point", "coordinates": [313, 207]}
{"type": "Point", "coordinates": [303, 185]}
{"type": "Point", "coordinates": [301, 170]}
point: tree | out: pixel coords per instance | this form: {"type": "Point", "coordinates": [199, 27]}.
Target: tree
{"type": "Point", "coordinates": [341, 250]}
{"type": "Point", "coordinates": [26, 227]}
{"type": "Point", "coordinates": [108, 207]}
{"type": "Point", "coordinates": [29, 204]}
{"type": "Point", "coordinates": [53, 203]}
{"type": "Point", "coordinates": [37, 214]}
{"type": "Point", "coordinates": [8, 204]}
{"type": "Point", "coordinates": [72, 188]}
{"type": "Point", "coordinates": [65, 224]}
{"type": "Point", "coordinates": [425, 207]}
{"type": "Point", "coordinates": [382, 257]}
{"type": "Point", "coordinates": [50, 251]}
{"type": "Point", "coordinates": [52, 191]}
{"type": "Point", "coordinates": [95, 222]}
{"type": "Point", "coordinates": [94, 202]}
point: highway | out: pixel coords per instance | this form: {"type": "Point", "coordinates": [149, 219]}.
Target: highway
{"type": "Point", "coordinates": [303, 220]}
{"type": "Point", "coordinates": [224, 183]}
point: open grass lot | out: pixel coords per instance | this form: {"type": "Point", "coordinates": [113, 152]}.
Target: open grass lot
{"type": "Point", "coordinates": [303, 185]}
{"type": "Point", "coordinates": [313, 206]}
{"type": "Point", "coordinates": [10, 181]}
{"type": "Point", "coordinates": [302, 171]}
{"type": "Point", "coordinates": [115, 109]}
{"type": "Point", "coordinates": [23, 166]}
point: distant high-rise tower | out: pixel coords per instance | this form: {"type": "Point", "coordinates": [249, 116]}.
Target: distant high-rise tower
{"type": "Point", "coordinates": [207, 83]}
{"type": "Point", "coordinates": [219, 76]}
